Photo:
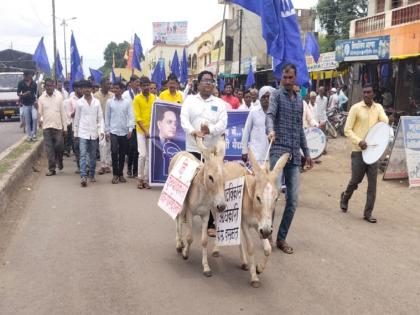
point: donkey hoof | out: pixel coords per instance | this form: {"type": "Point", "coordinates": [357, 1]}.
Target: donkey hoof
{"type": "Point", "coordinates": [179, 249]}
{"type": "Point", "coordinates": [207, 273]}
{"type": "Point", "coordinates": [185, 256]}
{"type": "Point", "coordinates": [256, 284]}
{"type": "Point", "coordinates": [259, 269]}
{"type": "Point", "coordinates": [244, 267]}
{"type": "Point", "coordinates": [215, 254]}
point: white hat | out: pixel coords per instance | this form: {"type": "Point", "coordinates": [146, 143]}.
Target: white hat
{"type": "Point", "coordinates": [312, 94]}
{"type": "Point", "coordinates": [334, 90]}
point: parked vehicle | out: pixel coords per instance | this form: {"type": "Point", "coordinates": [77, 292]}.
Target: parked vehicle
{"type": "Point", "coordinates": [9, 101]}
{"type": "Point", "coordinates": [336, 122]}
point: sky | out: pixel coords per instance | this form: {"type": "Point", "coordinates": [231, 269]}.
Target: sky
{"type": "Point", "coordinates": [98, 22]}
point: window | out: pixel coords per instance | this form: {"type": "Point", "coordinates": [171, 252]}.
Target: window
{"type": "Point", "coordinates": [189, 61]}
{"type": "Point", "coordinates": [396, 4]}
{"type": "Point", "coordinates": [194, 61]}
{"type": "Point", "coordinates": [380, 6]}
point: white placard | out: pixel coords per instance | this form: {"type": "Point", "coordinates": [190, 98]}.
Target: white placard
{"type": "Point", "coordinates": [176, 186]}
{"type": "Point", "coordinates": [228, 222]}
{"type": "Point", "coordinates": [411, 132]}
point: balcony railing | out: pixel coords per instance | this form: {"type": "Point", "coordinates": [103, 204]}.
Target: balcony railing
{"type": "Point", "coordinates": [384, 20]}
{"type": "Point", "coordinates": [370, 24]}
{"type": "Point", "coordinates": [406, 14]}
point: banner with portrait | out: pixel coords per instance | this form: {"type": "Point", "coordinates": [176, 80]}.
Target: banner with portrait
{"type": "Point", "coordinates": [168, 138]}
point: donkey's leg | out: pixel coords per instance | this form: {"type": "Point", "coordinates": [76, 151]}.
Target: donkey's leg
{"type": "Point", "coordinates": [204, 239]}
{"type": "Point", "coordinates": [216, 250]}
{"type": "Point", "coordinates": [255, 282]}
{"type": "Point", "coordinates": [188, 234]}
{"type": "Point", "coordinates": [178, 235]}
{"type": "Point", "coordinates": [267, 253]}
{"type": "Point", "coordinates": [242, 253]}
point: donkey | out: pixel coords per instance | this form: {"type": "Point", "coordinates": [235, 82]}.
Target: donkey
{"type": "Point", "coordinates": [258, 204]}
{"type": "Point", "coordinates": [206, 193]}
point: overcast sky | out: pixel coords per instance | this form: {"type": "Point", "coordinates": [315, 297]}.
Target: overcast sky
{"type": "Point", "coordinates": [23, 22]}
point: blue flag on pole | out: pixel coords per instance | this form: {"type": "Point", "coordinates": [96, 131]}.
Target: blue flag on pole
{"type": "Point", "coordinates": [250, 79]}
{"type": "Point", "coordinates": [311, 46]}
{"type": "Point", "coordinates": [221, 84]}
{"type": "Point", "coordinates": [97, 75]}
{"type": "Point", "coordinates": [184, 67]}
{"type": "Point", "coordinates": [162, 71]}
{"type": "Point", "coordinates": [59, 68]}
{"type": "Point", "coordinates": [155, 75]}
{"type": "Point", "coordinates": [175, 65]}
{"type": "Point", "coordinates": [137, 53]}
{"type": "Point", "coordinates": [40, 57]}
{"type": "Point", "coordinates": [113, 77]}
{"type": "Point", "coordinates": [76, 71]}
{"type": "Point", "coordinates": [281, 32]}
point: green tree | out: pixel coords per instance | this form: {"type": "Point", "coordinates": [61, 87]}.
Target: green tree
{"type": "Point", "coordinates": [335, 17]}
{"type": "Point", "coordinates": [118, 50]}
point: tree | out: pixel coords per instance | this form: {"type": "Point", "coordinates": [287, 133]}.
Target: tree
{"type": "Point", "coordinates": [117, 50]}
{"type": "Point", "coordinates": [335, 17]}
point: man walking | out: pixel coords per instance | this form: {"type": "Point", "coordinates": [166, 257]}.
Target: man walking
{"type": "Point", "coordinates": [26, 91]}
{"type": "Point", "coordinates": [88, 126]}
{"type": "Point", "coordinates": [172, 94]}
{"type": "Point", "coordinates": [119, 124]}
{"type": "Point", "coordinates": [321, 102]}
{"type": "Point", "coordinates": [204, 115]}
{"type": "Point", "coordinates": [284, 127]}
{"type": "Point", "coordinates": [53, 121]}
{"type": "Point", "coordinates": [142, 108]}
{"type": "Point", "coordinates": [361, 118]}
{"type": "Point", "coordinates": [103, 95]}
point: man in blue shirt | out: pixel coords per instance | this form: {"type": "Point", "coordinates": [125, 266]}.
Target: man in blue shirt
{"type": "Point", "coordinates": [285, 131]}
{"type": "Point", "coordinates": [119, 125]}
{"type": "Point", "coordinates": [27, 90]}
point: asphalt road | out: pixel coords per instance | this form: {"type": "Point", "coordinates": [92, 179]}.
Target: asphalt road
{"type": "Point", "coordinates": [9, 134]}
{"type": "Point", "coordinates": [108, 249]}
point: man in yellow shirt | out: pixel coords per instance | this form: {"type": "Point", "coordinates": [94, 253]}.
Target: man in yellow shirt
{"type": "Point", "coordinates": [142, 108]}
{"type": "Point", "coordinates": [361, 118]}
{"type": "Point", "coordinates": [171, 94]}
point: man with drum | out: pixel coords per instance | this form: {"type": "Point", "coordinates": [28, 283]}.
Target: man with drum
{"type": "Point", "coordinates": [362, 116]}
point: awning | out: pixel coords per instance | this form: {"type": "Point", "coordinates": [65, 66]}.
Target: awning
{"type": "Point", "coordinates": [402, 57]}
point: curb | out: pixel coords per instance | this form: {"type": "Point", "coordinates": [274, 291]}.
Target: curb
{"type": "Point", "coordinates": [11, 181]}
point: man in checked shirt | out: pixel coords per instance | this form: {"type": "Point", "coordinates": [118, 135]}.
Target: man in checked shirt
{"type": "Point", "coordinates": [285, 130]}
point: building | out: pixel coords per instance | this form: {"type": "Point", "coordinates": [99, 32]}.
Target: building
{"type": "Point", "coordinates": [400, 21]}
{"type": "Point", "coordinates": [161, 53]}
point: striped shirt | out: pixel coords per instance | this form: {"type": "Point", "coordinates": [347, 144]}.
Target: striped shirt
{"type": "Point", "coordinates": [284, 117]}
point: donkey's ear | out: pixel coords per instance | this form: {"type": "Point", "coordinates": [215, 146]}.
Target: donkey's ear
{"type": "Point", "coordinates": [221, 147]}
{"type": "Point", "coordinates": [280, 165]}
{"type": "Point", "coordinates": [255, 165]}
{"type": "Point", "coordinates": [250, 185]}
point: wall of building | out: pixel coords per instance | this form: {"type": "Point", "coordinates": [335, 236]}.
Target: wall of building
{"type": "Point", "coordinates": [161, 51]}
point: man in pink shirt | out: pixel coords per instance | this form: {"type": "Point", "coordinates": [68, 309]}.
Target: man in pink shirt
{"type": "Point", "coordinates": [229, 98]}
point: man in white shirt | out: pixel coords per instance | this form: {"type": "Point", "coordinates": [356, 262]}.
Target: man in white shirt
{"type": "Point", "coordinates": [254, 96]}
{"type": "Point", "coordinates": [333, 101]}
{"type": "Point", "coordinates": [88, 127]}
{"type": "Point", "coordinates": [53, 121]}
{"type": "Point", "coordinates": [247, 101]}
{"type": "Point", "coordinates": [254, 135]}
{"type": "Point", "coordinates": [119, 125]}
{"type": "Point", "coordinates": [203, 115]}
{"type": "Point", "coordinates": [321, 102]}
{"type": "Point", "coordinates": [132, 151]}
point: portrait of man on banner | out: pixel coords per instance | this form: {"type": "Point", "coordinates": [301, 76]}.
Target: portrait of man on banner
{"type": "Point", "coordinates": [167, 139]}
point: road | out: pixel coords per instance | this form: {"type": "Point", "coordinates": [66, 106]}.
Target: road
{"type": "Point", "coordinates": [108, 249]}
{"type": "Point", "coordinates": [9, 134]}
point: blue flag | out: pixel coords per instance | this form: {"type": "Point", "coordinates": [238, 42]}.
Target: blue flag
{"type": "Point", "coordinates": [40, 57]}
{"type": "Point", "coordinates": [281, 32]}
{"type": "Point", "coordinates": [156, 76]}
{"type": "Point", "coordinates": [113, 77]}
{"type": "Point", "coordinates": [221, 84]}
{"type": "Point", "coordinates": [97, 75]}
{"type": "Point", "coordinates": [137, 53]}
{"type": "Point", "coordinates": [250, 79]}
{"type": "Point", "coordinates": [184, 67]}
{"type": "Point", "coordinates": [175, 65]}
{"type": "Point", "coordinates": [59, 68]}
{"type": "Point", "coordinates": [162, 71]}
{"type": "Point", "coordinates": [311, 46]}
{"type": "Point", "coordinates": [76, 71]}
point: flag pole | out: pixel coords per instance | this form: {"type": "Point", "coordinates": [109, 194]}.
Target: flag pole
{"type": "Point", "coordinates": [221, 41]}
{"type": "Point", "coordinates": [55, 42]}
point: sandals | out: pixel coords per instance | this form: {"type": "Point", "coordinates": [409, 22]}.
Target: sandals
{"type": "Point", "coordinates": [211, 232]}
{"type": "Point", "coordinates": [283, 246]}
{"type": "Point", "coordinates": [370, 219]}
{"type": "Point", "coordinates": [140, 184]}
{"type": "Point", "coordinates": [115, 180]}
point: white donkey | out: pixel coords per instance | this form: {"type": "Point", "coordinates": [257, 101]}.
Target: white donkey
{"type": "Point", "coordinates": [258, 204]}
{"type": "Point", "coordinates": [206, 193]}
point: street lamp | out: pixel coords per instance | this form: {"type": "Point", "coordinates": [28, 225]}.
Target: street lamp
{"type": "Point", "coordinates": [64, 24]}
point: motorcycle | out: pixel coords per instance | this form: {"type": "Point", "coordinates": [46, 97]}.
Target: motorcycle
{"type": "Point", "coordinates": [335, 122]}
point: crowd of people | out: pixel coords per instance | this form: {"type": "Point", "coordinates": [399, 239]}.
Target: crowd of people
{"type": "Point", "coordinates": [111, 123]}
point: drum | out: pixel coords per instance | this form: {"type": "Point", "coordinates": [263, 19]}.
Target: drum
{"type": "Point", "coordinates": [316, 141]}
{"type": "Point", "coordinates": [377, 141]}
